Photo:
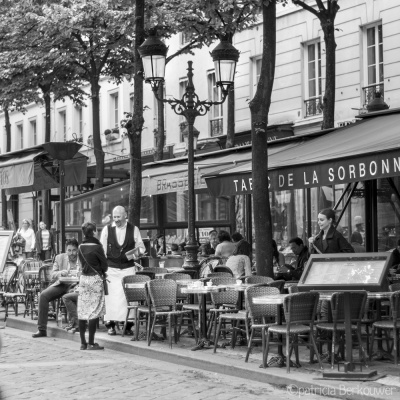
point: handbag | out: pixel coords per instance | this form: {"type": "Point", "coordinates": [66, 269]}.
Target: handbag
{"type": "Point", "coordinates": [103, 277]}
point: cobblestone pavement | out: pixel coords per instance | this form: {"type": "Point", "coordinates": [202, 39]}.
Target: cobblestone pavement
{"type": "Point", "coordinates": [50, 368]}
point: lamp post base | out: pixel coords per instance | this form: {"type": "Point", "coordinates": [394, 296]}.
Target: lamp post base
{"type": "Point", "coordinates": [191, 261]}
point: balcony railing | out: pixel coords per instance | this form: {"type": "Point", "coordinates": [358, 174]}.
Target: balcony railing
{"type": "Point", "coordinates": [313, 106]}
{"type": "Point", "coordinates": [217, 127]}
{"type": "Point", "coordinates": [369, 92]}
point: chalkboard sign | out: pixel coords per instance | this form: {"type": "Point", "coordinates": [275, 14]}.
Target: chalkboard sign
{"type": "Point", "coordinates": [360, 271]}
{"type": "Point", "coordinates": [5, 243]}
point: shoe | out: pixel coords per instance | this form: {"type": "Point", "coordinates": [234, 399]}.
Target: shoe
{"type": "Point", "coordinates": [68, 327]}
{"type": "Point", "coordinates": [94, 347]}
{"type": "Point", "coordinates": [83, 346]}
{"type": "Point", "coordinates": [129, 332]}
{"type": "Point", "coordinates": [112, 332]}
{"type": "Point", "coordinates": [40, 333]}
{"type": "Point", "coordinates": [74, 329]}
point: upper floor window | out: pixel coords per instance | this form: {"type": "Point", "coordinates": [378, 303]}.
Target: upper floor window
{"type": "Point", "coordinates": [373, 63]}
{"type": "Point", "coordinates": [216, 111]}
{"type": "Point", "coordinates": [313, 88]}
{"type": "Point", "coordinates": [20, 137]}
{"type": "Point", "coordinates": [258, 70]}
{"type": "Point", "coordinates": [114, 110]}
{"type": "Point", "coordinates": [62, 115]}
{"type": "Point", "coordinates": [34, 132]}
{"type": "Point", "coordinates": [79, 121]}
{"type": "Point", "coordinates": [186, 37]}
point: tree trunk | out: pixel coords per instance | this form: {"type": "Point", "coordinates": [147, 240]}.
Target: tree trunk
{"type": "Point", "coordinates": [98, 149]}
{"type": "Point", "coordinates": [159, 135]}
{"type": "Point", "coordinates": [330, 75]}
{"type": "Point", "coordinates": [4, 217]}
{"type": "Point", "coordinates": [135, 136]}
{"type": "Point", "coordinates": [47, 107]}
{"type": "Point", "coordinates": [46, 205]}
{"type": "Point", "coordinates": [259, 108]}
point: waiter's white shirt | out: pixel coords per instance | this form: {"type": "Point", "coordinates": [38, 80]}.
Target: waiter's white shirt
{"type": "Point", "coordinates": [121, 233]}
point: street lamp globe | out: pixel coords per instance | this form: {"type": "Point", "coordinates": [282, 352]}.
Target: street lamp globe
{"type": "Point", "coordinates": [225, 57]}
{"type": "Point", "coordinates": [153, 52]}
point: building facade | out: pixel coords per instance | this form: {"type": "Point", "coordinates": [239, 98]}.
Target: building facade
{"type": "Point", "coordinates": [367, 61]}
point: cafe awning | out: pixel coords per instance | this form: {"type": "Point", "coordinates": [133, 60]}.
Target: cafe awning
{"type": "Point", "coordinates": [33, 169]}
{"type": "Point", "coordinates": [172, 176]}
{"type": "Point", "coordinates": [369, 149]}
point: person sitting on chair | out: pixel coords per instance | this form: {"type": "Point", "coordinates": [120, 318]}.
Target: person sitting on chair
{"type": "Point", "coordinates": [294, 271]}
{"type": "Point", "coordinates": [63, 265]}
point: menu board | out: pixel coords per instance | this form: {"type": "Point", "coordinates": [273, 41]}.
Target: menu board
{"type": "Point", "coordinates": [346, 271]}
{"type": "Point", "coordinates": [5, 243]}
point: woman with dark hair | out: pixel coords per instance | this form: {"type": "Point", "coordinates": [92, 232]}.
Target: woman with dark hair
{"type": "Point", "coordinates": [328, 240]}
{"type": "Point", "coordinates": [239, 262]}
{"type": "Point", "coordinates": [278, 259]}
{"type": "Point", "coordinates": [91, 301]}
{"type": "Point", "coordinates": [225, 247]}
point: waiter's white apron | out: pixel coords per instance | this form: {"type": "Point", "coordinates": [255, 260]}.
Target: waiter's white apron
{"type": "Point", "coordinates": [115, 301]}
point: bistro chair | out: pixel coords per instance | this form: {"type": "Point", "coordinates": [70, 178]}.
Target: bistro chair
{"type": "Point", "coordinates": [192, 272]}
{"type": "Point", "coordinates": [31, 289]}
{"type": "Point", "coordinates": [221, 268]}
{"type": "Point", "coordinates": [392, 325]}
{"type": "Point", "coordinates": [220, 275]}
{"type": "Point", "coordinates": [163, 293]}
{"type": "Point", "coordinates": [280, 285]}
{"type": "Point", "coordinates": [9, 286]}
{"type": "Point", "coordinates": [150, 274]}
{"type": "Point", "coordinates": [394, 287]}
{"type": "Point", "coordinates": [337, 326]}
{"type": "Point", "coordinates": [261, 315]}
{"type": "Point", "coordinates": [181, 297]}
{"type": "Point", "coordinates": [255, 279]}
{"type": "Point", "coordinates": [136, 299]}
{"type": "Point", "coordinates": [299, 309]}
{"type": "Point", "coordinates": [222, 302]}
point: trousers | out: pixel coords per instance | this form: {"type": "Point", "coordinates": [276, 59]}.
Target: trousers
{"type": "Point", "coordinates": [71, 304]}
{"type": "Point", "coordinates": [50, 294]}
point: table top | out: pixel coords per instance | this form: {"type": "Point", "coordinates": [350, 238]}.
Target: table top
{"type": "Point", "coordinates": [371, 295]}
{"type": "Point", "coordinates": [34, 271]}
{"type": "Point", "coordinates": [270, 299]}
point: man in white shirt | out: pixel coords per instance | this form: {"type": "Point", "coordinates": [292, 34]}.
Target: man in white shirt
{"type": "Point", "coordinates": [117, 239]}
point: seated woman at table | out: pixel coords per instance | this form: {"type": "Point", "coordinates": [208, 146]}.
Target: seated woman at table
{"type": "Point", "coordinates": [225, 247]}
{"type": "Point", "coordinates": [239, 262]}
{"type": "Point", "coordinates": [328, 240]}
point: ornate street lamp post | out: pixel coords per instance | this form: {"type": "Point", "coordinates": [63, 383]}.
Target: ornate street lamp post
{"type": "Point", "coordinates": [153, 52]}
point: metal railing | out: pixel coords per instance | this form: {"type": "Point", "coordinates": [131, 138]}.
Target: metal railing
{"type": "Point", "coordinates": [369, 92]}
{"type": "Point", "coordinates": [313, 106]}
{"type": "Point", "coordinates": [216, 127]}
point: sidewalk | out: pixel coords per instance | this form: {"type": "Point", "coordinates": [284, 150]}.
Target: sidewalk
{"type": "Point", "coordinates": [300, 381]}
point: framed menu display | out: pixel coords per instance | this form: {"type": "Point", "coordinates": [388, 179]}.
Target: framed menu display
{"type": "Point", "coordinates": [346, 271]}
{"type": "Point", "coordinates": [5, 243]}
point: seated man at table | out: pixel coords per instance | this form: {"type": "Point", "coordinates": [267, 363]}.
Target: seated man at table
{"type": "Point", "coordinates": [64, 264]}
{"type": "Point", "coordinates": [293, 272]}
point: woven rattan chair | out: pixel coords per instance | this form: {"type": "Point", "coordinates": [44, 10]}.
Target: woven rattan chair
{"type": "Point", "coordinates": [299, 309]}
{"type": "Point", "coordinates": [221, 268]}
{"type": "Point", "coordinates": [151, 275]}
{"type": "Point", "coordinates": [394, 287]}
{"type": "Point", "coordinates": [163, 293]}
{"type": "Point", "coordinates": [136, 300]}
{"type": "Point", "coordinates": [222, 301]}
{"type": "Point", "coordinates": [220, 275]}
{"type": "Point", "coordinates": [293, 289]}
{"type": "Point", "coordinates": [15, 291]}
{"type": "Point", "coordinates": [280, 285]}
{"type": "Point", "coordinates": [179, 277]}
{"type": "Point", "coordinates": [31, 285]}
{"type": "Point", "coordinates": [45, 273]}
{"type": "Point", "coordinates": [392, 325]}
{"type": "Point", "coordinates": [9, 284]}
{"type": "Point", "coordinates": [337, 327]}
{"type": "Point", "coordinates": [261, 315]}
{"type": "Point", "coordinates": [156, 270]}
{"type": "Point", "coordinates": [255, 279]}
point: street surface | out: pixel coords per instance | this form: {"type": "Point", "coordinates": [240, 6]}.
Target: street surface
{"type": "Point", "coordinates": [55, 369]}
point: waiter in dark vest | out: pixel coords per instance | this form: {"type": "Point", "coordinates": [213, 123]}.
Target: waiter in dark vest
{"type": "Point", "coordinates": [118, 239]}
